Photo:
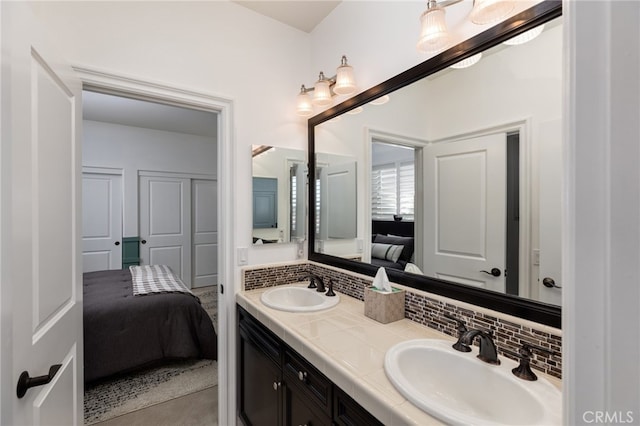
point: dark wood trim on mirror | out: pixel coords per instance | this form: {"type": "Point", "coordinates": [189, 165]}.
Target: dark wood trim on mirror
{"type": "Point", "coordinates": [524, 308]}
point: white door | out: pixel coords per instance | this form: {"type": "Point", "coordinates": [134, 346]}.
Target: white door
{"type": "Point", "coordinates": [339, 205]}
{"type": "Point", "coordinates": [550, 158]}
{"type": "Point", "coordinates": [41, 232]}
{"type": "Point", "coordinates": [101, 222]}
{"type": "Point", "coordinates": [165, 224]}
{"type": "Point", "coordinates": [465, 210]}
{"type": "Point", "coordinates": [205, 232]}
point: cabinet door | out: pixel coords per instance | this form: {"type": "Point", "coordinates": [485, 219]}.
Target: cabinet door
{"type": "Point", "coordinates": [259, 386]}
{"type": "Point", "coordinates": [260, 374]}
{"type": "Point", "coordinates": [300, 411]}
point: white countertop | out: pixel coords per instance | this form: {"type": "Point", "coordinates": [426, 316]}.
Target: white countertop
{"type": "Point", "coordinates": [349, 348]}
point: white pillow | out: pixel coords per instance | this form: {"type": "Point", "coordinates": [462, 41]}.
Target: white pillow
{"type": "Point", "coordinates": [413, 269]}
{"type": "Point", "coordinates": [386, 251]}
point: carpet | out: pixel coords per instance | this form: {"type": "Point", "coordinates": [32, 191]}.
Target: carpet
{"type": "Point", "coordinates": [127, 393]}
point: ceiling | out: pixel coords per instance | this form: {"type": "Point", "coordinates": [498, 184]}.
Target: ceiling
{"type": "Point", "coordinates": [148, 115]}
{"type": "Point", "coordinates": [303, 15]}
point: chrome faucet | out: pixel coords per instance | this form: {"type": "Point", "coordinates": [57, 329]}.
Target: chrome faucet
{"type": "Point", "coordinates": [488, 351]}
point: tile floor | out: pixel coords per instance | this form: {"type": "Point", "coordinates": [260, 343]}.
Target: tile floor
{"type": "Point", "coordinates": [196, 409]}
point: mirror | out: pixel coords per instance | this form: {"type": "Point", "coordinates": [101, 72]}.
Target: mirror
{"type": "Point", "coordinates": [279, 194]}
{"type": "Point", "coordinates": [457, 167]}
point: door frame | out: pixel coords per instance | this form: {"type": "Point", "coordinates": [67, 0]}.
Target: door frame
{"type": "Point", "coordinates": [371, 136]}
{"type": "Point", "coordinates": [120, 85]}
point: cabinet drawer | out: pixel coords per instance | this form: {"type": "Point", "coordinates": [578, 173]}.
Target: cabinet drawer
{"type": "Point", "coordinates": [347, 412]}
{"type": "Point", "coordinates": [256, 333]}
{"type": "Point", "coordinates": [299, 373]}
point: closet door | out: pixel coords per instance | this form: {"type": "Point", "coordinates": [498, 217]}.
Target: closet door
{"type": "Point", "coordinates": [165, 224]}
{"type": "Point", "coordinates": [205, 232]}
{"type": "Point", "coordinates": [101, 222]}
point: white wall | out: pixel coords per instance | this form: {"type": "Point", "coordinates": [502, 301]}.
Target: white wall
{"type": "Point", "coordinates": [134, 149]}
{"type": "Point", "coordinates": [215, 47]}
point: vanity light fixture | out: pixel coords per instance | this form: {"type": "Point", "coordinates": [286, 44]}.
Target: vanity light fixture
{"type": "Point", "coordinates": [434, 36]}
{"type": "Point", "coordinates": [343, 83]}
{"type": "Point", "coordinates": [466, 63]}
{"type": "Point", "coordinates": [525, 36]}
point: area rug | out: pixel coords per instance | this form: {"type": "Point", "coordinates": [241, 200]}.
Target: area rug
{"type": "Point", "coordinates": [125, 394]}
{"type": "Point", "coordinates": [132, 392]}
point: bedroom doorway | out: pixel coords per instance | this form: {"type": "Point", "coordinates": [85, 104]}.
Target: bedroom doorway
{"type": "Point", "coordinates": [138, 137]}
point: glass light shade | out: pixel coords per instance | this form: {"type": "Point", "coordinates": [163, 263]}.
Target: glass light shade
{"type": "Point", "coordinates": [304, 108]}
{"type": "Point", "coordinates": [322, 92]}
{"type": "Point", "coordinates": [488, 11]}
{"type": "Point", "coordinates": [434, 36]}
{"type": "Point", "coordinates": [381, 100]}
{"type": "Point", "coordinates": [345, 80]}
{"type": "Point", "coordinates": [355, 111]}
{"type": "Point", "coordinates": [466, 63]}
{"type": "Point", "coordinates": [525, 36]}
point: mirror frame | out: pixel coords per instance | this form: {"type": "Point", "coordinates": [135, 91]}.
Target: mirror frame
{"type": "Point", "coordinates": [513, 305]}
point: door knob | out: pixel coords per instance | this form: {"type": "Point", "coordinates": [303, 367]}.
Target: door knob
{"type": "Point", "coordinates": [550, 283]}
{"type": "Point", "coordinates": [494, 271]}
{"type": "Point", "coordinates": [117, 243]}
{"type": "Point", "coordinates": [25, 382]}
{"type": "Point", "coordinates": [144, 241]}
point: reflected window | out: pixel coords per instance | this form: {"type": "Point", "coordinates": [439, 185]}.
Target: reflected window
{"type": "Point", "coordinates": [392, 182]}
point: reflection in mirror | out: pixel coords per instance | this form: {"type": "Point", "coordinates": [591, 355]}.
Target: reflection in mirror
{"type": "Point", "coordinates": [460, 172]}
{"type": "Point", "coordinates": [279, 194]}
{"type": "Point", "coordinates": [336, 211]}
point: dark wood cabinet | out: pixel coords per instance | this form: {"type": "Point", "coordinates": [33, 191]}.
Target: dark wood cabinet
{"type": "Point", "coordinates": [260, 377]}
{"type": "Point", "coordinates": [277, 386]}
{"type": "Point", "coordinates": [347, 412]}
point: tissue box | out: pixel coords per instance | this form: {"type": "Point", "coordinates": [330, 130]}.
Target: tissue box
{"type": "Point", "coordinates": [384, 307]}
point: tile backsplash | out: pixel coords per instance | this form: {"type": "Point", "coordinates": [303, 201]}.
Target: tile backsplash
{"type": "Point", "coordinates": [427, 309]}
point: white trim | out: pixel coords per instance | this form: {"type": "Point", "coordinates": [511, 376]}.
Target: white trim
{"type": "Point", "coordinates": [103, 170]}
{"type": "Point", "coordinates": [153, 173]}
{"type": "Point", "coordinates": [107, 82]}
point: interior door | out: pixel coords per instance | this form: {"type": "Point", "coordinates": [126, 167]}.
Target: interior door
{"type": "Point", "coordinates": [465, 183]}
{"type": "Point", "coordinates": [165, 224]}
{"type": "Point", "coordinates": [205, 232]}
{"type": "Point", "coordinates": [101, 222]}
{"type": "Point", "coordinates": [41, 241]}
{"type": "Point", "coordinates": [339, 201]}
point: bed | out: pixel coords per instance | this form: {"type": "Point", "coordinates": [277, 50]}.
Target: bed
{"type": "Point", "coordinates": [123, 332]}
{"type": "Point", "coordinates": [392, 244]}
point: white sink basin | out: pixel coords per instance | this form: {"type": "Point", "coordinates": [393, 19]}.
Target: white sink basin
{"type": "Point", "coordinates": [298, 299]}
{"type": "Point", "coordinates": [458, 388]}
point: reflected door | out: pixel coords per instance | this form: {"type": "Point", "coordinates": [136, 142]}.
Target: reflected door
{"type": "Point", "coordinates": [465, 211]}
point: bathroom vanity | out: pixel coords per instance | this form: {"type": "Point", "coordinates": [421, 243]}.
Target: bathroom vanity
{"type": "Point", "coordinates": [296, 368]}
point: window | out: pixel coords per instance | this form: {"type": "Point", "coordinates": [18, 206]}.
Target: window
{"type": "Point", "coordinates": [393, 191]}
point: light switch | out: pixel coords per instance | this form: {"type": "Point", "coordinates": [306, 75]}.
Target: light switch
{"type": "Point", "coordinates": [536, 257]}
{"type": "Point", "coordinates": [243, 256]}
